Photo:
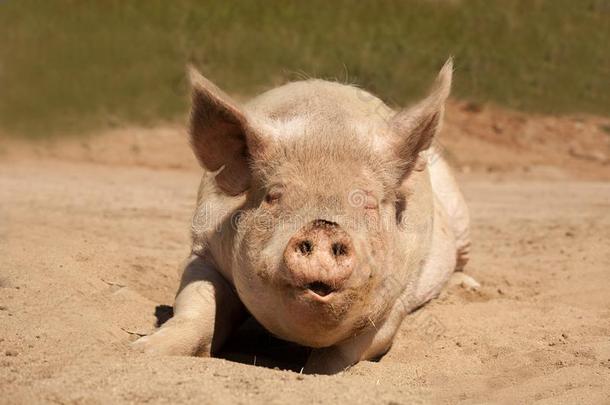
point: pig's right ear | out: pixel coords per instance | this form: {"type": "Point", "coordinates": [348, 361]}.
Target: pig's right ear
{"type": "Point", "coordinates": [221, 135]}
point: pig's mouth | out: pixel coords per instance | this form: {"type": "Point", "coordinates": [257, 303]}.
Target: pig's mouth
{"type": "Point", "coordinates": [319, 289]}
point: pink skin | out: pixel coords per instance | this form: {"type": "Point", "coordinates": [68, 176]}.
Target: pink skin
{"type": "Point", "coordinates": [346, 223]}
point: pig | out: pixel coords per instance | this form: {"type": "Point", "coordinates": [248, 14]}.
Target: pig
{"type": "Point", "coordinates": [322, 212]}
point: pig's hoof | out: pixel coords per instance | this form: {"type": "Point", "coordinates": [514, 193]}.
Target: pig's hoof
{"type": "Point", "coordinates": [171, 341]}
{"type": "Point", "coordinates": [465, 281]}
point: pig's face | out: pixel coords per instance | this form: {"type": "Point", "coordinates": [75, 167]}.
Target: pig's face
{"type": "Point", "coordinates": [314, 239]}
{"type": "Point", "coordinates": [314, 245]}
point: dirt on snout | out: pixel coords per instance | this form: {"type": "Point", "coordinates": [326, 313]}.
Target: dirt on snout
{"type": "Point", "coordinates": [93, 232]}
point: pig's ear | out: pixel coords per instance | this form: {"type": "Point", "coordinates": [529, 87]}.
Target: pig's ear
{"type": "Point", "coordinates": [415, 128]}
{"type": "Point", "coordinates": [221, 135]}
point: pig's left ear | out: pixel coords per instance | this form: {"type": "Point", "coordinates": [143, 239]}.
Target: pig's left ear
{"type": "Point", "coordinates": [415, 128]}
{"type": "Point", "coordinates": [222, 136]}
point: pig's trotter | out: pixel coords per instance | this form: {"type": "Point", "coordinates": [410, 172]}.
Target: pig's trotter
{"type": "Point", "coordinates": [465, 281]}
{"type": "Point", "coordinates": [205, 312]}
{"type": "Point", "coordinates": [177, 337]}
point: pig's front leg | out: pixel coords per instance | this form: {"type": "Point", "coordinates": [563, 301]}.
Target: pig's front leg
{"type": "Point", "coordinates": [337, 358]}
{"type": "Point", "coordinates": [206, 310]}
{"type": "Point", "coordinates": [371, 343]}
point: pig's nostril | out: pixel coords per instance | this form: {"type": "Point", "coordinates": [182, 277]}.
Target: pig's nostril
{"type": "Point", "coordinates": [322, 223]}
{"type": "Point", "coordinates": [339, 249]}
{"type": "Point", "coordinates": [305, 247]}
{"type": "Point", "coordinates": [320, 288]}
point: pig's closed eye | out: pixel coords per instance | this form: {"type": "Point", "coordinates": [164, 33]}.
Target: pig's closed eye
{"type": "Point", "coordinates": [370, 202]}
{"type": "Point", "coordinates": [371, 205]}
{"type": "Point", "coordinates": [273, 196]}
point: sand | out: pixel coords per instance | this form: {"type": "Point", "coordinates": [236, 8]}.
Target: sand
{"type": "Point", "coordinates": [93, 231]}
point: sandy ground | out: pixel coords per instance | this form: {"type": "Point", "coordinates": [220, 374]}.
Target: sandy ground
{"type": "Point", "coordinates": [92, 233]}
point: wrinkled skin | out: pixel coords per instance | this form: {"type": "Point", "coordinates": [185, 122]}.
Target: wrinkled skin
{"type": "Point", "coordinates": [323, 213]}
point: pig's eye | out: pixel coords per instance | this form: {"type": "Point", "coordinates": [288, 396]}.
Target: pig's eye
{"type": "Point", "coordinates": [273, 196]}
{"type": "Point", "coordinates": [371, 203]}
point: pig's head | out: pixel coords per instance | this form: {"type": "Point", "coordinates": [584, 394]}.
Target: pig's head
{"type": "Point", "coordinates": [316, 244]}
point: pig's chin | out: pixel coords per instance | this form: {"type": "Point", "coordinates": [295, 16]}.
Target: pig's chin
{"type": "Point", "coordinates": [303, 317]}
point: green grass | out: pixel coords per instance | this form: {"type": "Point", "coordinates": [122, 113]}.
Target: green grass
{"type": "Point", "coordinates": [69, 66]}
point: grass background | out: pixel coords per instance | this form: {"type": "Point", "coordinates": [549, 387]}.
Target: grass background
{"type": "Point", "coordinates": [75, 65]}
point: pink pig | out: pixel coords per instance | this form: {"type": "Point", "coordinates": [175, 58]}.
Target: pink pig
{"type": "Point", "coordinates": [321, 211]}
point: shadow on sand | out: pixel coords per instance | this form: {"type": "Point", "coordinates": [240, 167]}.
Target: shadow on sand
{"type": "Point", "coordinates": [252, 344]}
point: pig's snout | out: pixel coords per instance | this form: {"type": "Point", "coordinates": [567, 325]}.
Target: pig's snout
{"type": "Point", "coordinates": [319, 258]}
